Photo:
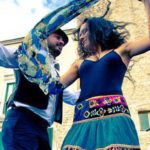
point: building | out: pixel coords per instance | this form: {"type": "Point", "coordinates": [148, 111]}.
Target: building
{"type": "Point", "coordinates": [136, 91]}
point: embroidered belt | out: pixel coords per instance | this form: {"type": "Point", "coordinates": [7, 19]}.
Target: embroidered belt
{"type": "Point", "coordinates": [100, 107]}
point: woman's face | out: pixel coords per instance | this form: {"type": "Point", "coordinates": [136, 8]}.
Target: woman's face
{"type": "Point", "coordinates": [84, 37]}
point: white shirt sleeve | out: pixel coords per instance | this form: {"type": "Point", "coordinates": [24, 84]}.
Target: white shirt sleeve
{"type": "Point", "coordinates": [70, 97]}
{"type": "Point", "coordinates": [8, 57]}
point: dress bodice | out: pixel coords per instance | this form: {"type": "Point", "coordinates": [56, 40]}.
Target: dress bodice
{"type": "Point", "coordinates": [103, 77]}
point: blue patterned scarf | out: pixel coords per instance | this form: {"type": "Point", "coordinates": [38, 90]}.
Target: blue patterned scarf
{"type": "Point", "coordinates": [33, 52]}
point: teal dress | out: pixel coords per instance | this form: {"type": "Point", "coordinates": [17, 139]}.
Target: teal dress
{"type": "Point", "coordinates": [102, 119]}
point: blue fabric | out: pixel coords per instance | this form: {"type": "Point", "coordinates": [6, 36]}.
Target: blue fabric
{"type": "Point", "coordinates": [101, 127]}
{"type": "Point", "coordinates": [103, 77]}
{"type": "Point", "coordinates": [119, 130]}
{"type": "Point", "coordinates": [55, 88]}
{"type": "Point", "coordinates": [100, 107]}
{"type": "Point", "coordinates": [33, 56]}
{"type": "Point", "coordinates": [20, 131]}
{"type": "Point", "coordinates": [107, 126]}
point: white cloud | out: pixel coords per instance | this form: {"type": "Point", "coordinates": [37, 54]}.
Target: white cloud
{"type": "Point", "coordinates": [18, 20]}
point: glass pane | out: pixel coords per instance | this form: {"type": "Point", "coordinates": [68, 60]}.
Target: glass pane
{"type": "Point", "coordinates": [1, 144]}
{"type": "Point", "coordinates": [9, 89]}
{"type": "Point", "coordinates": [50, 134]}
{"type": "Point", "coordinates": [144, 121]}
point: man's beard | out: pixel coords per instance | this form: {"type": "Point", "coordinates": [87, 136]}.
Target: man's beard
{"type": "Point", "coordinates": [53, 50]}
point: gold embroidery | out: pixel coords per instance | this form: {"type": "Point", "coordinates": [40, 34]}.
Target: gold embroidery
{"type": "Point", "coordinates": [86, 114]}
{"type": "Point", "coordinates": [106, 148]}
{"type": "Point", "coordinates": [80, 106]}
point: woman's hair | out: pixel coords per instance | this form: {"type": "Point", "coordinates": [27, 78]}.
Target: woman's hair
{"type": "Point", "coordinates": [108, 34]}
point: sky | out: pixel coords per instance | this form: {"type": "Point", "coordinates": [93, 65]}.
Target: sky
{"type": "Point", "coordinates": [18, 17]}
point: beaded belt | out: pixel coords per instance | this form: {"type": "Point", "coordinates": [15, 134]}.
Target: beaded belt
{"type": "Point", "coordinates": [100, 107]}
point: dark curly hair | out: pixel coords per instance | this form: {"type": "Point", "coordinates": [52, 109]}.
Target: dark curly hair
{"type": "Point", "coordinates": [109, 34]}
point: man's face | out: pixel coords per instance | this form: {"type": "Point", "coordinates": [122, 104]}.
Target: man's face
{"type": "Point", "coordinates": [55, 44]}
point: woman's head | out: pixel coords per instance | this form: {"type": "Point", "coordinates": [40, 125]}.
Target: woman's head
{"type": "Point", "coordinates": [84, 37]}
{"type": "Point", "coordinates": [99, 32]}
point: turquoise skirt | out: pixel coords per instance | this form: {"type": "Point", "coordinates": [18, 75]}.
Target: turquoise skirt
{"type": "Point", "coordinates": [102, 123]}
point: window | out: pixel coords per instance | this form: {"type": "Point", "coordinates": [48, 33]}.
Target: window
{"type": "Point", "coordinates": [50, 134]}
{"type": "Point", "coordinates": [144, 120]}
{"type": "Point", "coordinates": [9, 89]}
{"type": "Point", "coordinates": [1, 144]}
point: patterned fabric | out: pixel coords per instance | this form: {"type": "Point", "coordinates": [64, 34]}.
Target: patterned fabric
{"type": "Point", "coordinates": [102, 123]}
{"type": "Point", "coordinates": [33, 52]}
{"type": "Point", "coordinates": [100, 107]}
{"type": "Point", "coordinates": [108, 148]}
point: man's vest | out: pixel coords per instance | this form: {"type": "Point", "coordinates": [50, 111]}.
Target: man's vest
{"type": "Point", "coordinates": [30, 94]}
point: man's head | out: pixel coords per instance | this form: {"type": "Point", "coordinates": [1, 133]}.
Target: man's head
{"type": "Point", "coordinates": [56, 41]}
{"type": "Point", "coordinates": [95, 32]}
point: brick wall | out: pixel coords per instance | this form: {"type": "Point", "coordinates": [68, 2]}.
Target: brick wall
{"type": "Point", "coordinates": [137, 94]}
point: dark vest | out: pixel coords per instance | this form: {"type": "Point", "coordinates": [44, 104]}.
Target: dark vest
{"type": "Point", "coordinates": [30, 93]}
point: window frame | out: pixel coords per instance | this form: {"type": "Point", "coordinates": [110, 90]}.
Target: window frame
{"type": "Point", "coordinates": [50, 135]}
{"type": "Point", "coordinates": [140, 122]}
{"type": "Point", "coordinates": [5, 95]}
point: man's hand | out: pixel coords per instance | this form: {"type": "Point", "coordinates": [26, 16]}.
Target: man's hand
{"type": "Point", "coordinates": [55, 87]}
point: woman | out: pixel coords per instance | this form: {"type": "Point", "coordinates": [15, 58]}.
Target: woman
{"type": "Point", "coordinates": [102, 118]}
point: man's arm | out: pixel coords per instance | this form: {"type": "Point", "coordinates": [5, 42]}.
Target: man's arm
{"type": "Point", "coordinates": [70, 97]}
{"type": "Point", "coordinates": [8, 57]}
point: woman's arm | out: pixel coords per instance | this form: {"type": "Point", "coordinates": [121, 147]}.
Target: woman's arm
{"type": "Point", "coordinates": [137, 47]}
{"type": "Point", "coordinates": [71, 75]}
{"type": "Point", "coordinates": [147, 8]}
{"type": "Point", "coordinates": [143, 45]}
{"type": "Point", "coordinates": [65, 80]}
{"type": "Point", "coordinates": [130, 49]}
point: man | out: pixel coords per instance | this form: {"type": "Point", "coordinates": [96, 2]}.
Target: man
{"type": "Point", "coordinates": [32, 107]}
{"type": "Point", "coordinates": [30, 111]}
